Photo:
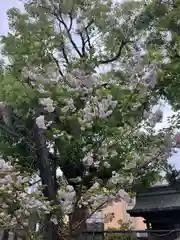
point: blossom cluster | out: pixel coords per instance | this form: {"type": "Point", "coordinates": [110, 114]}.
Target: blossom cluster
{"type": "Point", "coordinates": [67, 198]}
{"type": "Point", "coordinates": [95, 108]}
{"type": "Point", "coordinates": [17, 204]}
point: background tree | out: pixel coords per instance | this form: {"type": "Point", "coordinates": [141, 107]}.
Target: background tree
{"type": "Point", "coordinates": [161, 20]}
{"type": "Point", "coordinates": [119, 235]}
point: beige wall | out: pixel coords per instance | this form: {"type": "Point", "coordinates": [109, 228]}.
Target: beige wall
{"type": "Point", "coordinates": [119, 209]}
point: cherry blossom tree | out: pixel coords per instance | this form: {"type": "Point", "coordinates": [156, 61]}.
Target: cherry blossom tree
{"type": "Point", "coordinates": [77, 94]}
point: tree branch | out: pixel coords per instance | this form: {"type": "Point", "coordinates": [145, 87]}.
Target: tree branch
{"type": "Point", "coordinates": [83, 39]}
{"type": "Point", "coordinates": [57, 64]}
{"type": "Point", "coordinates": [62, 43]}
{"type": "Point", "coordinates": [31, 184]}
{"type": "Point", "coordinates": [123, 43]}
{"type": "Point", "coordinates": [14, 134]}
{"type": "Point", "coordinates": [63, 47]}
{"type": "Point", "coordinates": [88, 39]}
{"type": "Point", "coordinates": [61, 20]}
{"type": "Point", "coordinates": [83, 44]}
{"type": "Point", "coordinates": [87, 34]}
{"type": "Point", "coordinates": [71, 22]}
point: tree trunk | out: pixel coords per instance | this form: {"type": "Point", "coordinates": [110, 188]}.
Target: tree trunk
{"type": "Point", "coordinates": [77, 224]}
{"type": "Point", "coordinates": [49, 230]}
{"type": "Point", "coordinates": [33, 220]}
{"type": "Point", "coordinates": [4, 235]}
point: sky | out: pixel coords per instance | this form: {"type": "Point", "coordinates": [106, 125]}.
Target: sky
{"type": "Point", "coordinates": [6, 4]}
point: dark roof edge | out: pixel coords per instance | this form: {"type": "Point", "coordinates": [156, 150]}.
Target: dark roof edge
{"type": "Point", "coordinates": [158, 190]}
{"type": "Point", "coordinates": [139, 212]}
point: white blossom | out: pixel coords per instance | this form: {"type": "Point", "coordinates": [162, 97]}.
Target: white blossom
{"type": "Point", "coordinates": [150, 77]}
{"type": "Point", "coordinates": [95, 186]}
{"type": "Point", "coordinates": [100, 109]}
{"type": "Point", "coordinates": [5, 166]}
{"type": "Point", "coordinates": [113, 153]}
{"type": "Point", "coordinates": [115, 177]}
{"type": "Point", "coordinates": [69, 188]}
{"type": "Point", "coordinates": [48, 103]}
{"type": "Point", "coordinates": [40, 122]}
{"type": "Point", "coordinates": [177, 137]}
{"type": "Point", "coordinates": [81, 80]}
{"type": "Point", "coordinates": [70, 106]}
{"type": "Point", "coordinates": [65, 109]}
{"type": "Point", "coordinates": [106, 164]}
{"type": "Point", "coordinates": [88, 160]}
{"type": "Point", "coordinates": [54, 220]}
{"type": "Point", "coordinates": [157, 116]}
{"type": "Point", "coordinates": [75, 180]}
{"type": "Point", "coordinates": [96, 164]}
{"type": "Point", "coordinates": [2, 106]}
{"type": "Point", "coordinates": [67, 198]}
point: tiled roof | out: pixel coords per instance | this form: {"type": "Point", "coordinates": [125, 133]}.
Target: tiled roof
{"type": "Point", "coordinates": [158, 198]}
